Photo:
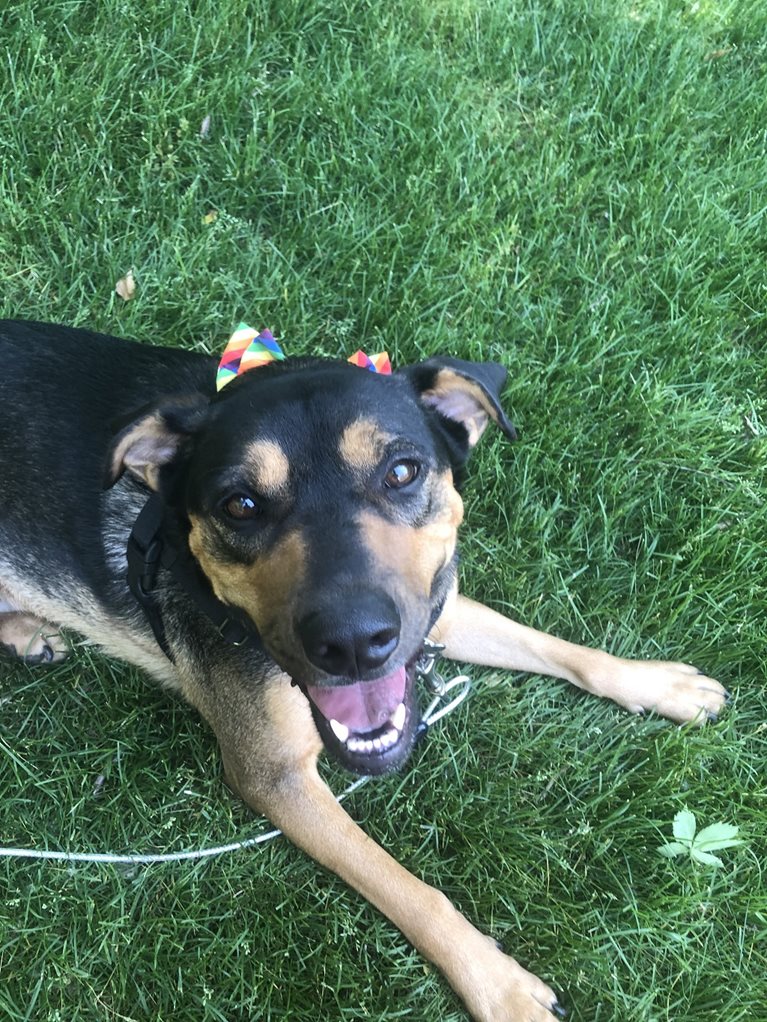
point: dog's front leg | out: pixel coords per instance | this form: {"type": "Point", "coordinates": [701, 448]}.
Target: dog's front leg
{"type": "Point", "coordinates": [478, 635]}
{"type": "Point", "coordinates": [273, 768]}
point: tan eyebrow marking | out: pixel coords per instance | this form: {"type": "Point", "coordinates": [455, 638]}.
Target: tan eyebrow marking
{"type": "Point", "coordinates": [363, 444]}
{"type": "Point", "coordinates": [269, 466]}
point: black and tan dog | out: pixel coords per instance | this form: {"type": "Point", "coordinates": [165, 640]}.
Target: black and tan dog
{"type": "Point", "coordinates": [318, 502]}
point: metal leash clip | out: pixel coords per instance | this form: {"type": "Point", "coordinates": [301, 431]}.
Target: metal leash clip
{"type": "Point", "coordinates": [426, 669]}
{"type": "Point", "coordinates": [426, 666]}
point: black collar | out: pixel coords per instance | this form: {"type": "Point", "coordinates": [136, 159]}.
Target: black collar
{"type": "Point", "coordinates": [157, 541]}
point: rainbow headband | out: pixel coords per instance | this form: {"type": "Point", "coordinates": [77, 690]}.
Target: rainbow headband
{"type": "Point", "coordinates": [249, 349]}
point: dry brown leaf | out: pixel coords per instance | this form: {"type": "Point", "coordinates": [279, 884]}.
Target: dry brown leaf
{"type": "Point", "coordinates": [717, 54]}
{"type": "Point", "coordinates": [126, 286]}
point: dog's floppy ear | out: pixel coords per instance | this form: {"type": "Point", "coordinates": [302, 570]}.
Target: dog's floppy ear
{"type": "Point", "coordinates": [464, 392]}
{"type": "Point", "coordinates": [152, 437]}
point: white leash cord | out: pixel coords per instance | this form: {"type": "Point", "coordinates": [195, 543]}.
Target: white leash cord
{"type": "Point", "coordinates": [431, 716]}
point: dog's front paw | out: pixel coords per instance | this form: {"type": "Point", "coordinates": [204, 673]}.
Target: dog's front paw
{"type": "Point", "coordinates": [506, 992]}
{"type": "Point", "coordinates": [677, 691]}
{"type": "Point", "coordinates": [31, 639]}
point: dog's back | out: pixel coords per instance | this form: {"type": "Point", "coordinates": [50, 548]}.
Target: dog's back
{"type": "Point", "coordinates": [62, 536]}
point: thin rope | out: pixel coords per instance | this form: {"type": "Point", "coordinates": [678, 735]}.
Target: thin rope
{"type": "Point", "coordinates": [430, 717]}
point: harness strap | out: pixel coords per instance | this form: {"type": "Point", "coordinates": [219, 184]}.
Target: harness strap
{"type": "Point", "coordinates": [153, 544]}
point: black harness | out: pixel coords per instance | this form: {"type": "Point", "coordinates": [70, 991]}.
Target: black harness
{"type": "Point", "coordinates": [155, 542]}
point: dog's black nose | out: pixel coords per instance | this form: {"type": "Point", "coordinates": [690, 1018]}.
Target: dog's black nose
{"type": "Point", "coordinates": [348, 638]}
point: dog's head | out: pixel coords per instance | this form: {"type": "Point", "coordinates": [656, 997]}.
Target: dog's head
{"type": "Point", "coordinates": [322, 500]}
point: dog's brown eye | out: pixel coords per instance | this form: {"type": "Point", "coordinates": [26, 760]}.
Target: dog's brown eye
{"type": "Point", "coordinates": [242, 507]}
{"type": "Point", "coordinates": [401, 474]}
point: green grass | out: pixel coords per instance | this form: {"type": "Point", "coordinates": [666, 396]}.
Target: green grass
{"type": "Point", "coordinates": [577, 188]}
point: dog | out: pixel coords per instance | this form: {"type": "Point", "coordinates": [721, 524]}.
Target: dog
{"type": "Point", "coordinates": [277, 552]}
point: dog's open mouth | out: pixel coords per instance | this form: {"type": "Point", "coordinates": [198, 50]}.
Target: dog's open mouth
{"type": "Point", "coordinates": [368, 725]}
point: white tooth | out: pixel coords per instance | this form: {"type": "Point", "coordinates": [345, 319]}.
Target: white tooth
{"type": "Point", "coordinates": [377, 744]}
{"type": "Point", "coordinates": [354, 745]}
{"type": "Point", "coordinates": [389, 738]}
{"type": "Point", "coordinates": [398, 717]}
{"type": "Point", "coordinates": [341, 731]}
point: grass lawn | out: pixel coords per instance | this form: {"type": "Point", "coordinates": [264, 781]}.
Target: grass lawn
{"type": "Point", "coordinates": [575, 187]}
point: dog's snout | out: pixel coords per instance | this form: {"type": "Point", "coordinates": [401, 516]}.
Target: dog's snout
{"type": "Point", "coordinates": [348, 638]}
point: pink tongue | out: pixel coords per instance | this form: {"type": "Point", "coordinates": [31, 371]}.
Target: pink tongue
{"type": "Point", "coordinates": [361, 705]}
